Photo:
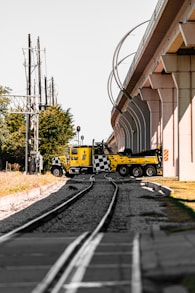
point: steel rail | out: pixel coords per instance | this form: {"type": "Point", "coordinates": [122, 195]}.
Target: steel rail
{"type": "Point", "coordinates": [81, 250]}
{"type": "Point", "coordinates": [35, 222]}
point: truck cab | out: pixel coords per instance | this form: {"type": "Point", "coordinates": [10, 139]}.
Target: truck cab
{"type": "Point", "coordinates": [80, 160]}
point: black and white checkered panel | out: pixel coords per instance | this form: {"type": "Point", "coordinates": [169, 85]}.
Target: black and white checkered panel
{"type": "Point", "coordinates": [56, 161]}
{"type": "Point", "coordinates": [101, 163]}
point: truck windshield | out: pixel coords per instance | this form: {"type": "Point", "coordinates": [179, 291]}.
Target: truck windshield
{"type": "Point", "coordinates": [74, 152]}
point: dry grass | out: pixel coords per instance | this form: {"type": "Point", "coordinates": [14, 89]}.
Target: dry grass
{"type": "Point", "coordinates": [183, 190]}
{"type": "Point", "coordinates": [12, 182]}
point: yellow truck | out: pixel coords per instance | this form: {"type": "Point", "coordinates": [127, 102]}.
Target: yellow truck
{"type": "Point", "coordinates": [99, 158]}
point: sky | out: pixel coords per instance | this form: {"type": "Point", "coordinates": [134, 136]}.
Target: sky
{"type": "Point", "coordinates": [78, 39]}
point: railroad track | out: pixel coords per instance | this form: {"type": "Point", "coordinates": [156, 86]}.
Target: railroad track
{"type": "Point", "coordinates": [86, 254]}
{"type": "Point", "coordinates": [68, 270]}
{"type": "Point", "coordinates": [38, 221]}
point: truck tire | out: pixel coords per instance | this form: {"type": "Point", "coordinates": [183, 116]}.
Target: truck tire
{"type": "Point", "coordinates": [123, 170]}
{"type": "Point", "coordinates": [56, 171]}
{"type": "Point", "coordinates": [150, 171]}
{"type": "Point", "coordinates": [137, 171]}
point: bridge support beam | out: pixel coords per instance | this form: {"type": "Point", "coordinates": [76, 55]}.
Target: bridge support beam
{"type": "Point", "coordinates": [182, 68]}
{"type": "Point", "coordinates": [187, 30]}
{"type": "Point", "coordinates": [152, 98]}
{"type": "Point", "coordinates": [168, 95]}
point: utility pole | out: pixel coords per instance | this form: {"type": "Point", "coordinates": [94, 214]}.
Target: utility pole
{"type": "Point", "coordinates": [29, 103]}
{"type": "Point", "coordinates": [39, 70]}
{"type": "Point", "coordinates": [46, 98]}
{"type": "Point", "coordinates": [52, 91]}
{"type": "Point", "coordinates": [28, 115]}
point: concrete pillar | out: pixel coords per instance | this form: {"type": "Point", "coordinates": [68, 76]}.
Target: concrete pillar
{"type": "Point", "coordinates": [120, 137]}
{"type": "Point", "coordinates": [144, 117]}
{"type": "Point", "coordinates": [152, 98]}
{"type": "Point", "coordinates": [182, 68]}
{"type": "Point", "coordinates": [135, 124]}
{"type": "Point", "coordinates": [129, 128]}
{"type": "Point", "coordinates": [136, 109]}
{"type": "Point", "coordinates": [111, 141]}
{"type": "Point", "coordinates": [167, 92]}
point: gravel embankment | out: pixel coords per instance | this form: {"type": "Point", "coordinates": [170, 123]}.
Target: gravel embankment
{"type": "Point", "coordinates": [32, 208]}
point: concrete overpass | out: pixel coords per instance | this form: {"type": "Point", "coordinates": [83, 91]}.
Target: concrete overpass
{"type": "Point", "coordinates": [159, 108]}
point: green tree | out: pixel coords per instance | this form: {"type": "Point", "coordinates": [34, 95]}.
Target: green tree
{"type": "Point", "coordinates": [4, 102]}
{"type": "Point", "coordinates": [13, 148]}
{"type": "Point", "coordinates": [55, 131]}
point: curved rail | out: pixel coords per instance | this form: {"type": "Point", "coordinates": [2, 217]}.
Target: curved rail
{"type": "Point", "coordinates": [77, 253]}
{"type": "Point", "coordinates": [36, 221]}
{"type": "Point", "coordinates": [110, 78]}
{"type": "Point", "coordinates": [115, 60]}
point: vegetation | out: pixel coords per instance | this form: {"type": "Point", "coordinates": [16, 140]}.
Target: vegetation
{"type": "Point", "coordinates": [13, 182]}
{"type": "Point", "coordinates": [55, 131]}
{"type": "Point", "coordinates": [181, 189]}
{"type": "Point", "coordinates": [13, 146]}
{"type": "Point", "coordinates": [3, 110]}
{"type": "Point", "coordinates": [184, 191]}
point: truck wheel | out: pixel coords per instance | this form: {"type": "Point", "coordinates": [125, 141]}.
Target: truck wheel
{"type": "Point", "coordinates": [150, 171]}
{"type": "Point", "coordinates": [123, 170]}
{"type": "Point", "coordinates": [56, 171]}
{"type": "Point", "coordinates": [137, 171]}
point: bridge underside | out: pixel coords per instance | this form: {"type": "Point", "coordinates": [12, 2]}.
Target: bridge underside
{"type": "Point", "coordinates": [161, 82]}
